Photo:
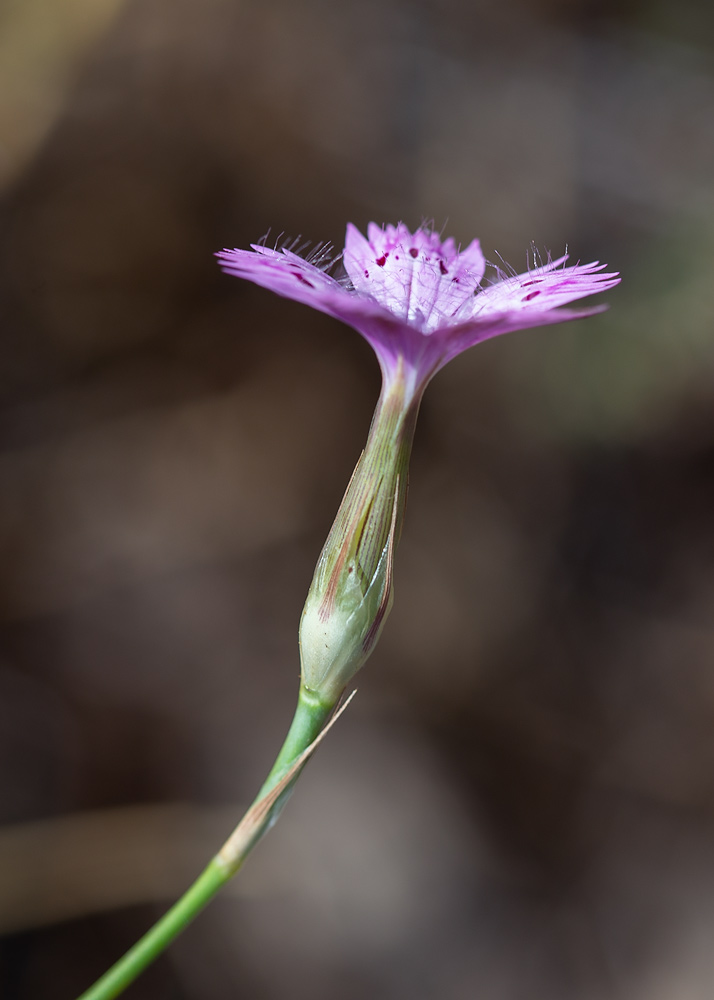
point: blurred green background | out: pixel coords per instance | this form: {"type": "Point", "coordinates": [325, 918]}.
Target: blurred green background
{"type": "Point", "coordinates": [520, 802]}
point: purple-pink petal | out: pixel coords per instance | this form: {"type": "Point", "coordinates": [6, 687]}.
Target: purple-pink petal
{"type": "Point", "coordinates": [419, 278]}
{"type": "Point", "coordinates": [289, 275]}
{"type": "Point", "coordinates": [543, 288]}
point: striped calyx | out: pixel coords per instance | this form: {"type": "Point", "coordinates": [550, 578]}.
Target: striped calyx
{"type": "Point", "coordinates": [351, 592]}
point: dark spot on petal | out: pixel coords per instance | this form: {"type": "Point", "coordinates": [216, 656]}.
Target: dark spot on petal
{"type": "Point", "coordinates": [396, 256]}
{"type": "Point", "coordinates": [381, 261]}
{"type": "Point", "coordinates": [366, 273]}
{"type": "Point", "coordinates": [455, 281]}
{"type": "Point", "coordinates": [304, 280]}
{"type": "Point", "coordinates": [443, 268]}
{"type": "Point", "coordinates": [350, 568]}
{"type": "Point", "coordinates": [414, 252]}
{"type": "Point", "coordinates": [530, 295]}
{"type": "Point", "coordinates": [533, 282]}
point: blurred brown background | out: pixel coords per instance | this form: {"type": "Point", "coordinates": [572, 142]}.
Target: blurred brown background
{"type": "Point", "coordinates": [520, 802]}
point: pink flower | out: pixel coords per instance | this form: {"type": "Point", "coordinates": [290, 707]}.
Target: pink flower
{"type": "Point", "coordinates": [418, 298]}
{"type": "Point", "coordinates": [419, 301]}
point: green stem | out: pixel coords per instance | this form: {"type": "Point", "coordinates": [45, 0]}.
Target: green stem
{"type": "Point", "coordinates": [310, 717]}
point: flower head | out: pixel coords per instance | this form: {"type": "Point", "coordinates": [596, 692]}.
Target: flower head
{"type": "Point", "coordinates": [419, 301]}
{"type": "Point", "coordinates": [419, 298]}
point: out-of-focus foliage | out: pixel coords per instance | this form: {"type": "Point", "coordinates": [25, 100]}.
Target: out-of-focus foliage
{"type": "Point", "coordinates": [519, 803]}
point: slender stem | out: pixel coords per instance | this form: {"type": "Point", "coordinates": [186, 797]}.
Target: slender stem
{"type": "Point", "coordinates": [310, 717]}
{"type": "Point", "coordinates": [150, 946]}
